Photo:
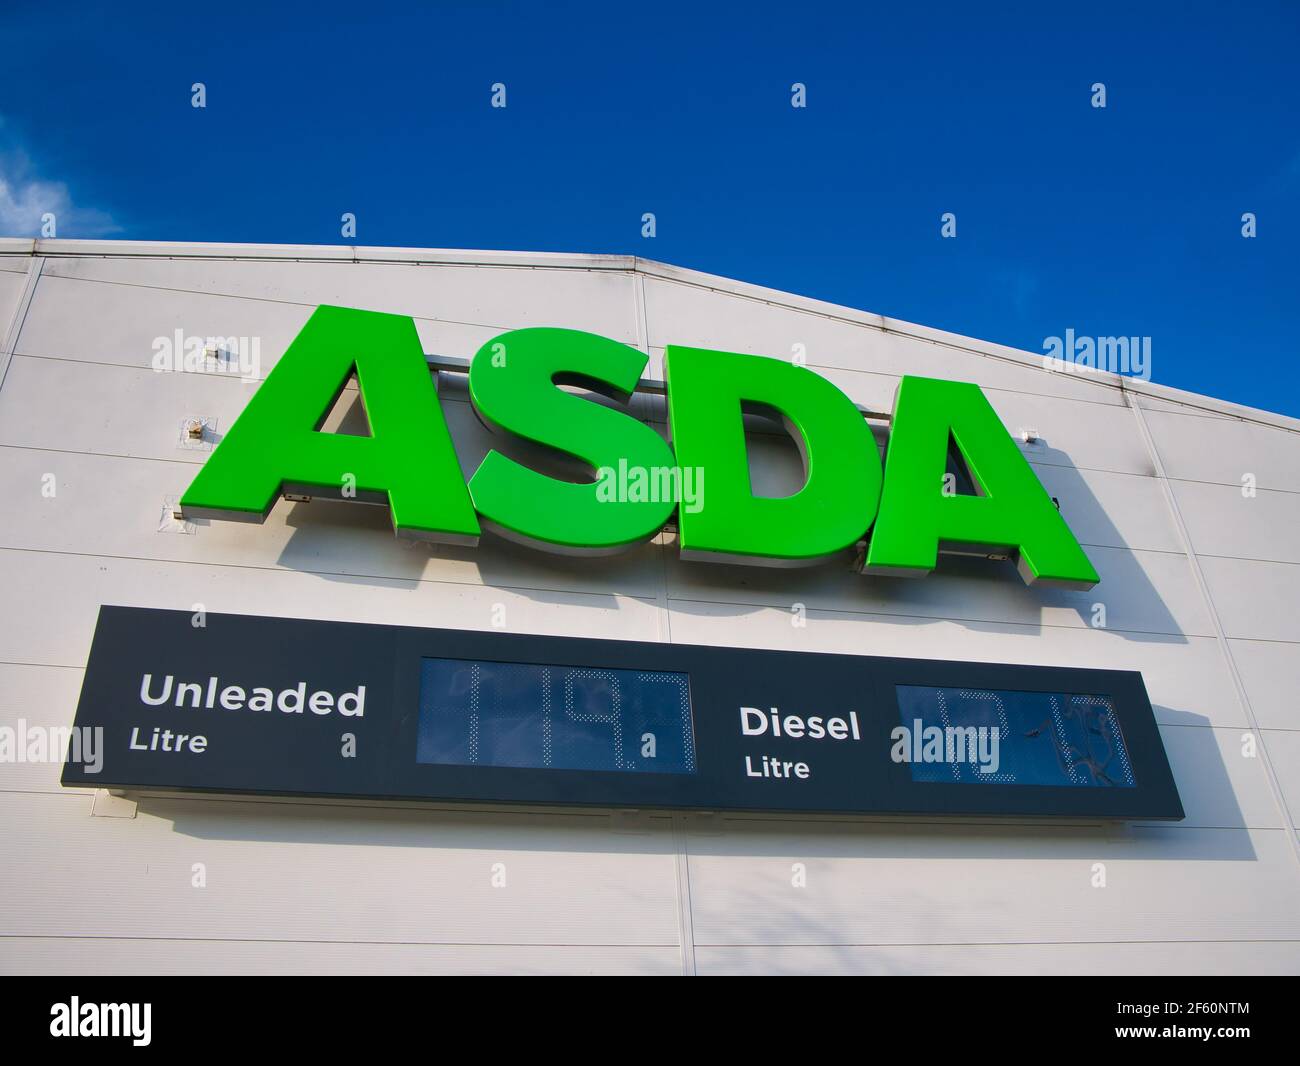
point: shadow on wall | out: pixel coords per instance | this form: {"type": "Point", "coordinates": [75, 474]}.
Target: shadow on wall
{"type": "Point", "coordinates": [780, 893]}
{"type": "Point", "coordinates": [414, 824]}
{"type": "Point", "coordinates": [853, 894]}
{"type": "Point", "coordinates": [1196, 761]}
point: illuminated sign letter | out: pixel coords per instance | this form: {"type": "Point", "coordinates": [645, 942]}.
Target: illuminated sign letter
{"type": "Point", "coordinates": [628, 475]}
{"type": "Point", "coordinates": [276, 445]}
{"type": "Point", "coordinates": [1012, 511]}
{"type": "Point", "coordinates": [604, 480]}
{"type": "Point", "coordinates": [707, 391]}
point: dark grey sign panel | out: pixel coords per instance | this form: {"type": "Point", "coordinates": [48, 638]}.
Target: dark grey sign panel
{"type": "Point", "coordinates": [305, 708]}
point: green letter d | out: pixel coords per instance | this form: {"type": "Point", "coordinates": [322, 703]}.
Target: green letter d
{"type": "Point", "coordinates": [706, 394]}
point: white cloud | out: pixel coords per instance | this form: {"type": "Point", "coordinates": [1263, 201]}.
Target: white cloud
{"type": "Point", "coordinates": [25, 199]}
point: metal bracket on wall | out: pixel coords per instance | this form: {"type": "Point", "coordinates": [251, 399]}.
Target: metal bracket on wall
{"type": "Point", "coordinates": [197, 433]}
{"type": "Point", "coordinates": [172, 520]}
{"type": "Point", "coordinates": [112, 804]}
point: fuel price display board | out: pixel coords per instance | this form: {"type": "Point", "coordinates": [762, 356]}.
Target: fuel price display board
{"type": "Point", "coordinates": [291, 707]}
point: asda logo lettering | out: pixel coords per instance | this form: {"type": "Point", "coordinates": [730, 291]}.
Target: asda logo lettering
{"type": "Point", "coordinates": [408, 461]}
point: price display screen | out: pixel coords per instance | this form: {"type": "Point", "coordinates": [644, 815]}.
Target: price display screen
{"type": "Point", "coordinates": [480, 713]}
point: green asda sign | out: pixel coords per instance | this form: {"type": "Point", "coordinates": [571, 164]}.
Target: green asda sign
{"type": "Point", "coordinates": [637, 479]}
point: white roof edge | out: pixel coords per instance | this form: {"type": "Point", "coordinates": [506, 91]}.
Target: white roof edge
{"type": "Point", "coordinates": [972, 345]}
{"type": "Point", "coordinates": [13, 246]}
{"type": "Point", "coordinates": [345, 253]}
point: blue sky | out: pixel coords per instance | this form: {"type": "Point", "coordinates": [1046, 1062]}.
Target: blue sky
{"type": "Point", "coordinates": [1117, 221]}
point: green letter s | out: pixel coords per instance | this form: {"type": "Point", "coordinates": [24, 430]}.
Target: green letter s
{"type": "Point", "coordinates": [512, 383]}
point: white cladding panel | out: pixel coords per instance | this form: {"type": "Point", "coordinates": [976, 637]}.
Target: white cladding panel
{"type": "Point", "coordinates": [308, 887]}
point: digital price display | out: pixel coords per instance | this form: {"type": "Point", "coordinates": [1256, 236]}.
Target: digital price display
{"type": "Point", "coordinates": [292, 707]}
{"type": "Point", "coordinates": [1015, 738]}
{"type": "Point", "coordinates": [554, 717]}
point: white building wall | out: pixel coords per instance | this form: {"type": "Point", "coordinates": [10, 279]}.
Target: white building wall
{"type": "Point", "coordinates": [1145, 476]}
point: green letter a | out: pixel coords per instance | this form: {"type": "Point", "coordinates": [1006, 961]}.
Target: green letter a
{"type": "Point", "coordinates": [1012, 511]}
{"type": "Point", "coordinates": [276, 445]}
